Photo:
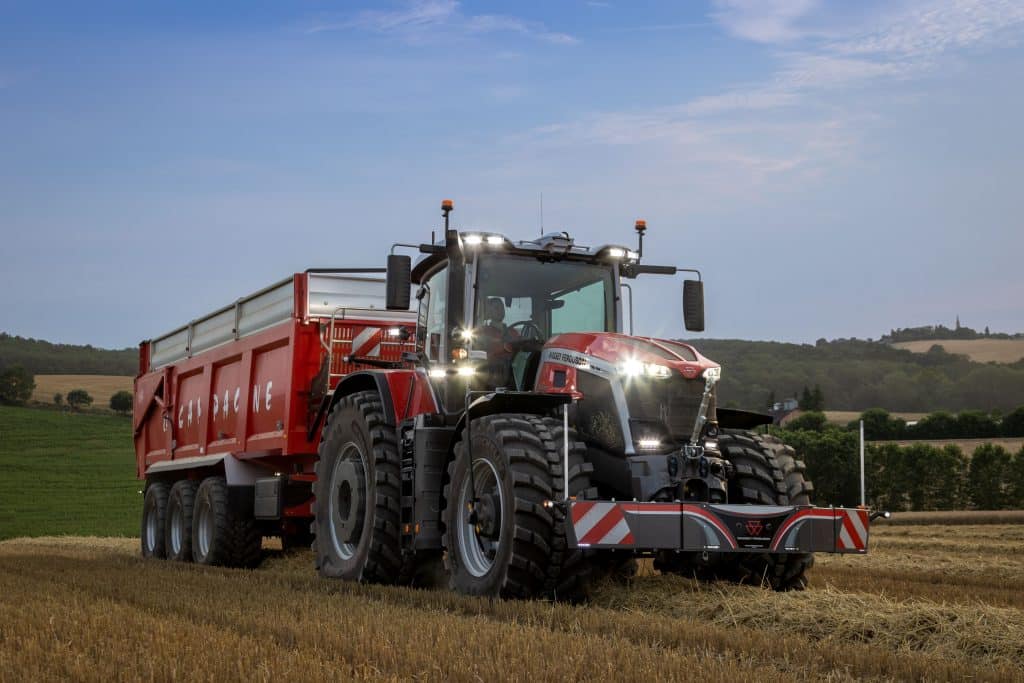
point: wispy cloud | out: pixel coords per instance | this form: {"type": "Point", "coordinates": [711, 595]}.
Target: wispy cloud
{"type": "Point", "coordinates": [801, 118]}
{"type": "Point", "coordinates": [763, 21]}
{"type": "Point", "coordinates": [422, 20]}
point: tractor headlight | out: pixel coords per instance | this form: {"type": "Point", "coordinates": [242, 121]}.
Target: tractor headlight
{"type": "Point", "coordinates": [635, 368]}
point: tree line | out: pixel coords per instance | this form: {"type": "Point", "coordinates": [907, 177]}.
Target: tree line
{"type": "Point", "coordinates": [914, 477]}
{"type": "Point", "coordinates": [853, 373]}
{"type": "Point", "coordinates": [44, 358]}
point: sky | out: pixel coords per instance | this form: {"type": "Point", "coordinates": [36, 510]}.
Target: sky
{"type": "Point", "coordinates": [833, 169]}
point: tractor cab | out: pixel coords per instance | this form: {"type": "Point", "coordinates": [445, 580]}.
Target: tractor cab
{"type": "Point", "coordinates": [488, 306]}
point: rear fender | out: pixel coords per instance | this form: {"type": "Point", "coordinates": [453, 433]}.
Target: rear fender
{"type": "Point", "coordinates": [404, 393]}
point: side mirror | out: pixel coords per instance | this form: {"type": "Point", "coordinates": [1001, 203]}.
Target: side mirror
{"type": "Point", "coordinates": [399, 281]}
{"type": "Point", "coordinates": [693, 305]}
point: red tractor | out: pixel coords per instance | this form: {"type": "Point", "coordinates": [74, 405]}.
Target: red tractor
{"type": "Point", "coordinates": [557, 447]}
{"type": "Point", "coordinates": [505, 436]}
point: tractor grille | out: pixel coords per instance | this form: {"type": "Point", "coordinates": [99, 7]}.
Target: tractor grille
{"type": "Point", "coordinates": [673, 401]}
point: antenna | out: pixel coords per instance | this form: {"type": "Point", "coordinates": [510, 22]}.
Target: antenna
{"type": "Point", "coordinates": [541, 214]}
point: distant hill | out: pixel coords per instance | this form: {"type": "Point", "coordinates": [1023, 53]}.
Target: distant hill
{"type": "Point", "coordinates": [855, 375]}
{"type": "Point", "coordinates": [982, 350]}
{"type": "Point", "coordinates": [43, 358]}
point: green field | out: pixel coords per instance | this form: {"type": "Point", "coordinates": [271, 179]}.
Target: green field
{"type": "Point", "coordinates": [66, 473]}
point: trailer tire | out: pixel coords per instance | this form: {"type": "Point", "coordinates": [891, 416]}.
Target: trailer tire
{"type": "Point", "coordinates": [357, 494]}
{"type": "Point", "coordinates": [154, 515]}
{"type": "Point", "coordinates": [767, 472]}
{"type": "Point", "coordinates": [512, 480]}
{"type": "Point", "coordinates": [178, 533]}
{"type": "Point", "coordinates": [221, 536]}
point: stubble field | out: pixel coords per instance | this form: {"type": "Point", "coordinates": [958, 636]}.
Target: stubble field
{"type": "Point", "coordinates": [928, 603]}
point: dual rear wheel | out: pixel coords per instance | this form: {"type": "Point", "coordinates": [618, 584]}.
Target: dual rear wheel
{"type": "Point", "coordinates": [190, 522]}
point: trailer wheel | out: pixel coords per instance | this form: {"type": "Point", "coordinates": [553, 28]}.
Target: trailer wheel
{"type": "Point", "coordinates": [767, 472]}
{"type": "Point", "coordinates": [154, 514]}
{"type": "Point", "coordinates": [357, 494]}
{"type": "Point", "coordinates": [502, 547]}
{"type": "Point", "coordinates": [221, 536]}
{"type": "Point", "coordinates": [178, 533]}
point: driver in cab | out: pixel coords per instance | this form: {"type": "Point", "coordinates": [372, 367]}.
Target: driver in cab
{"type": "Point", "coordinates": [495, 336]}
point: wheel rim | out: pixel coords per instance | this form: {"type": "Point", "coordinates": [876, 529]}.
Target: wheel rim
{"type": "Point", "coordinates": [176, 529]}
{"type": "Point", "coordinates": [151, 529]}
{"type": "Point", "coordinates": [205, 529]}
{"type": "Point", "coordinates": [347, 501]}
{"type": "Point", "coordinates": [476, 550]}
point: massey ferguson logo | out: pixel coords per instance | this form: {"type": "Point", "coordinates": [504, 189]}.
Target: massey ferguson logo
{"type": "Point", "coordinates": [755, 527]}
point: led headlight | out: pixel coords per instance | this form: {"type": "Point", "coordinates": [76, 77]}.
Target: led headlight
{"type": "Point", "coordinates": [634, 368]}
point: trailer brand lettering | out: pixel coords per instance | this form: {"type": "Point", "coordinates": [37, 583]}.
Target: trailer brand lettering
{"type": "Point", "coordinates": [546, 398]}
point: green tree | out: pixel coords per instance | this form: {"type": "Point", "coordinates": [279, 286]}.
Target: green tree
{"type": "Point", "coordinates": [812, 420]}
{"type": "Point", "coordinates": [879, 425]}
{"type": "Point", "coordinates": [832, 463]}
{"type": "Point", "coordinates": [1013, 423]}
{"type": "Point", "coordinates": [121, 402]}
{"type": "Point", "coordinates": [817, 398]}
{"type": "Point", "coordinates": [58, 399]}
{"type": "Point", "coordinates": [1015, 492]}
{"type": "Point", "coordinates": [79, 398]}
{"type": "Point", "coordinates": [987, 477]}
{"type": "Point", "coordinates": [16, 385]}
{"type": "Point", "coordinates": [937, 425]}
{"type": "Point", "coordinates": [974, 424]}
{"type": "Point", "coordinates": [806, 400]}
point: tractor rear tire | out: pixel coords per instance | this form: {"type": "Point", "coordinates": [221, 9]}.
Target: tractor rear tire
{"type": "Point", "coordinates": [222, 536]}
{"type": "Point", "coordinates": [178, 535]}
{"type": "Point", "coordinates": [357, 494]}
{"type": "Point", "coordinates": [503, 549]}
{"type": "Point", "coordinates": [154, 516]}
{"type": "Point", "coordinates": [767, 473]}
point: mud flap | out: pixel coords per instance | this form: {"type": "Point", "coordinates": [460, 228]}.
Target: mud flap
{"type": "Point", "coordinates": [718, 528]}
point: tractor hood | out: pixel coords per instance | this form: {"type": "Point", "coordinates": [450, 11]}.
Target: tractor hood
{"type": "Point", "coordinates": [646, 354]}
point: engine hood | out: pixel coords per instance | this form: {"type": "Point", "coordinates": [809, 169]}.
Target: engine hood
{"type": "Point", "coordinates": [619, 348]}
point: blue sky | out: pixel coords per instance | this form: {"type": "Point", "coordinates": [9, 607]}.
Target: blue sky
{"type": "Point", "coordinates": [835, 169]}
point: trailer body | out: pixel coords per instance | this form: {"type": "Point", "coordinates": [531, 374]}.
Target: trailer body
{"type": "Point", "coordinates": [243, 389]}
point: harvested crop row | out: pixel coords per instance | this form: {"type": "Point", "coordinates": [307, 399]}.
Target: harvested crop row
{"type": "Point", "coordinates": [372, 631]}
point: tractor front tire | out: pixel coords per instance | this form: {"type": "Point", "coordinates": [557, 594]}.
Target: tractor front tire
{"type": "Point", "coordinates": [767, 473]}
{"type": "Point", "coordinates": [501, 544]}
{"type": "Point", "coordinates": [357, 494]}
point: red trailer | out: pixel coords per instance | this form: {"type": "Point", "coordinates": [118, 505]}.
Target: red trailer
{"type": "Point", "coordinates": [237, 394]}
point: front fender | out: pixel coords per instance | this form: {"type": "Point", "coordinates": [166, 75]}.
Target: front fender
{"type": "Point", "coordinates": [510, 402]}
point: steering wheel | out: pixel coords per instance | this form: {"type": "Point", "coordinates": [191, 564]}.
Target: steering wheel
{"type": "Point", "coordinates": [529, 331]}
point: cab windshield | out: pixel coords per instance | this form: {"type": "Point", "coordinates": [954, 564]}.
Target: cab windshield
{"type": "Point", "coordinates": [520, 297]}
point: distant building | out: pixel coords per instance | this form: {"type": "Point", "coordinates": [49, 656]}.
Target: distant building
{"type": "Point", "coordinates": [781, 409]}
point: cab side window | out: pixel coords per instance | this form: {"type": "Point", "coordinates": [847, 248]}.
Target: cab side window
{"type": "Point", "coordinates": [437, 304]}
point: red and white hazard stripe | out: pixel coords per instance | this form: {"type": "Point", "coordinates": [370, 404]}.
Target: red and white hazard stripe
{"type": "Point", "coordinates": [853, 532]}
{"type": "Point", "coordinates": [367, 342]}
{"type": "Point", "coordinates": [600, 523]}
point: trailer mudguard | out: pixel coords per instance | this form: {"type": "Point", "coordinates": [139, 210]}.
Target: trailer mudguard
{"type": "Point", "coordinates": [708, 527]}
{"type": "Point", "coordinates": [236, 472]}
